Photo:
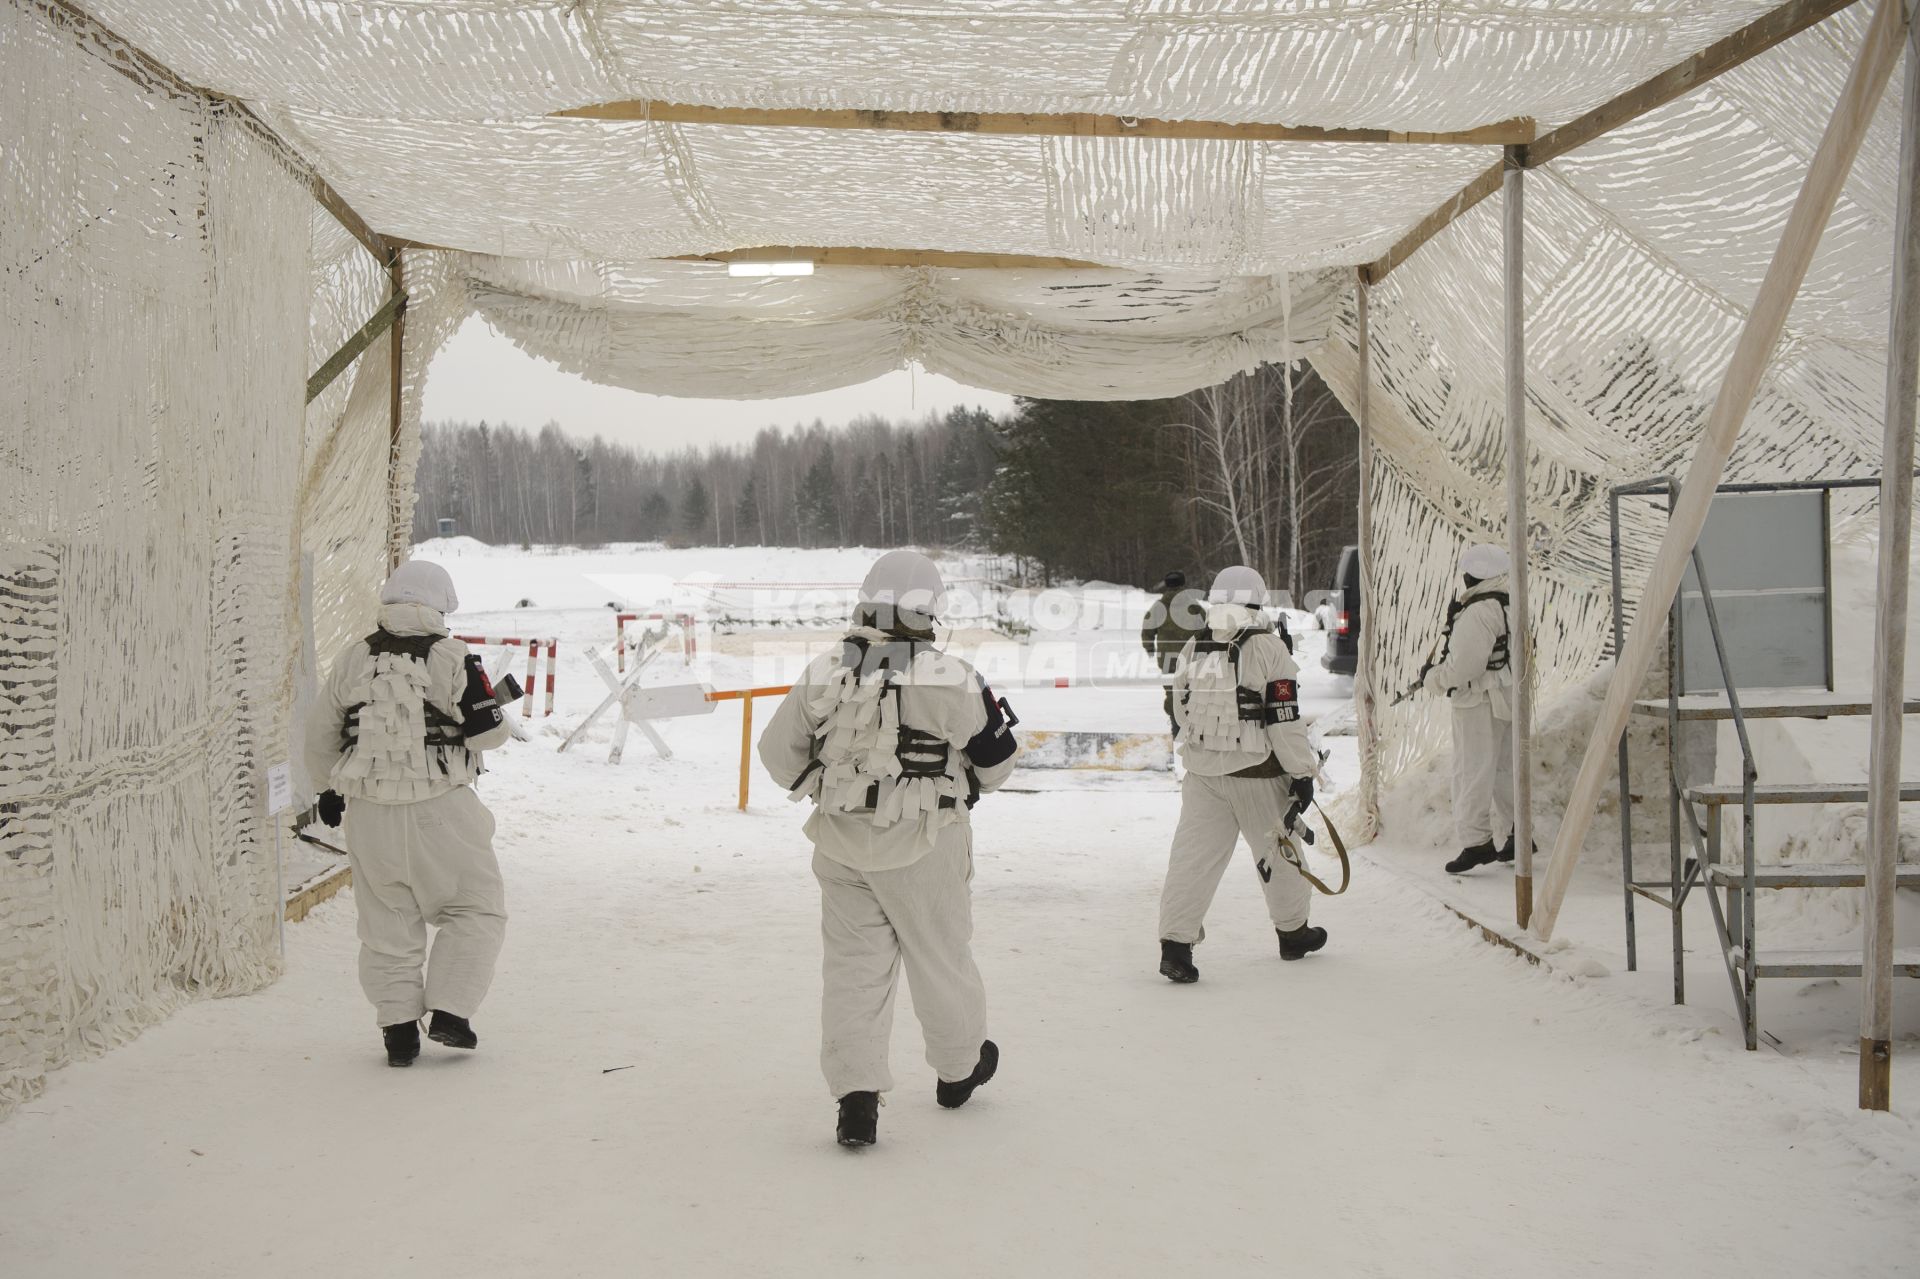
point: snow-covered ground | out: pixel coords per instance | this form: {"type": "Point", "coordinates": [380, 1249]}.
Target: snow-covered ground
{"type": "Point", "coordinates": [1412, 1101]}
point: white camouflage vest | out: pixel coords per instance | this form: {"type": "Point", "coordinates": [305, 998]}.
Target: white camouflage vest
{"type": "Point", "coordinates": [866, 760]}
{"type": "Point", "coordinates": [398, 746]}
{"type": "Point", "coordinates": [1214, 719]}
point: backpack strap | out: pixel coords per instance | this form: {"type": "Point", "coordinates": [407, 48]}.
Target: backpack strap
{"type": "Point", "coordinates": [415, 646]}
{"type": "Point", "coordinates": [1251, 703]}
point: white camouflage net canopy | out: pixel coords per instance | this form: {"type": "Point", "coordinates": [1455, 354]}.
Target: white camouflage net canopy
{"type": "Point", "coordinates": [434, 121]}
{"type": "Point", "coordinates": [168, 285]}
{"type": "Point", "coordinates": [672, 328]}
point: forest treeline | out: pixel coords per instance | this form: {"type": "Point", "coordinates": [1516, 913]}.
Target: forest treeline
{"type": "Point", "coordinates": [1258, 470]}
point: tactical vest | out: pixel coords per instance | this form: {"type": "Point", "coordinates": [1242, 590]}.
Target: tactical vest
{"type": "Point", "coordinates": [1496, 659]}
{"type": "Point", "coordinates": [865, 757]}
{"type": "Point", "coordinates": [1221, 714]}
{"type": "Point", "coordinates": [397, 741]}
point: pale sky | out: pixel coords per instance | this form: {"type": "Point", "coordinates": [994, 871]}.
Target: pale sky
{"type": "Point", "coordinates": [480, 375]}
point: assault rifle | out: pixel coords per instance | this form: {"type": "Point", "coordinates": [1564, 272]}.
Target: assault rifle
{"type": "Point", "coordinates": [1414, 689]}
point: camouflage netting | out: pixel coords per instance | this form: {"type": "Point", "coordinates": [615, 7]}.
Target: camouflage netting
{"type": "Point", "coordinates": [169, 283]}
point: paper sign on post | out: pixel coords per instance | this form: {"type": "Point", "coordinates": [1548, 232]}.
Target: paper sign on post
{"type": "Point", "coordinates": [279, 788]}
{"type": "Point", "coordinates": [666, 701]}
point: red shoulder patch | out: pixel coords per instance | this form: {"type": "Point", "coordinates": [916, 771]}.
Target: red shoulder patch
{"type": "Point", "coordinates": [1283, 690]}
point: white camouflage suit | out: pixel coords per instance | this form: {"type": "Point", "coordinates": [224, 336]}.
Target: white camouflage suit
{"type": "Point", "coordinates": [419, 841]}
{"type": "Point", "coordinates": [1217, 809]}
{"type": "Point", "coordinates": [1482, 715]}
{"type": "Point", "coordinates": [893, 893]}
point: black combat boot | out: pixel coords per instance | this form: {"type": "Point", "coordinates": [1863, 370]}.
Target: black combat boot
{"type": "Point", "coordinates": [403, 1042]}
{"type": "Point", "coordinates": [1298, 943]}
{"type": "Point", "coordinates": [954, 1095]}
{"type": "Point", "coordinates": [1506, 850]}
{"type": "Point", "coordinates": [1481, 854]}
{"type": "Point", "coordinates": [452, 1031]}
{"type": "Point", "coordinates": [1176, 962]}
{"type": "Point", "coordinates": [859, 1119]}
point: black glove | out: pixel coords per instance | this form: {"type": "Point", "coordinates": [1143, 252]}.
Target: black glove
{"type": "Point", "coordinates": [479, 712]}
{"type": "Point", "coordinates": [1301, 788]}
{"type": "Point", "coordinates": [994, 744]}
{"type": "Point", "coordinates": [331, 806]}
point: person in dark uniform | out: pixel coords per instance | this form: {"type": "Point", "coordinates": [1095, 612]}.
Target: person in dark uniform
{"type": "Point", "coordinates": [1176, 617]}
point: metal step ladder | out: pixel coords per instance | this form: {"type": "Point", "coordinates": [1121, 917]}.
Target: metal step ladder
{"type": "Point", "coordinates": [1742, 881]}
{"type": "Point", "coordinates": [1695, 821]}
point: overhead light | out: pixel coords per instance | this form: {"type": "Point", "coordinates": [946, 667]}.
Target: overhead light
{"type": "Point", "coordinates": [802, 267]}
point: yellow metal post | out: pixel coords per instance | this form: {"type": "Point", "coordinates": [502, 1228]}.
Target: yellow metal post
{"type": "Point", "coordinates": [746, 743]}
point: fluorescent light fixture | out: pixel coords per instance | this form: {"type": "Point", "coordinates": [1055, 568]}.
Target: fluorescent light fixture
{"type": "Point", "coordinates": [770, 268]}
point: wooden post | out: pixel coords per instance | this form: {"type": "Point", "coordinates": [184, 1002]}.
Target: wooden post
{"type": "Point", "coordinates": [1519, 620]}
{"type": "Point", "coordinates": [1798, 242]}
{"type": "Point", "coordinates": [1890, 630]}
{"type": "Point", "coordinates": [397, 537]}
{"type": "Point", "coordinates": [1364, 703]}
{"type": "Point", "coordinates": [746, 745]}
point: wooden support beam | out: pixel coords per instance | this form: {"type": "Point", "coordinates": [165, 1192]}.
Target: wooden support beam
{"type": "Point", "coordinates": [940, 258]}
{"type": "Point", "coordinates": [343, 213]}
{"type": "Point", "coordinates": [1890, 622]}
{"type": "Point", "coordinates": [397, 537]}
{"type": "Point", "coordinates": [1076, 124]}
{"type": "Point", "coordinates": [1519, 618]}
{"type": "Point", "coordinates": [1434, 223]}
{"type": "Point", "coordinates": [350, 350]}
{"type": "Point", "coordinates": [301, 904]}
{"type": "Point", "coordinates": [1716, 59]}
{"type": "Point", "coordinates": [1365, 703]}
{"type": "Point", "coordinates": [119, 53]}
{"type": "Point", "coordinates": [1845, 130]}
{"type": "Point", "coordinates": [147, 71]}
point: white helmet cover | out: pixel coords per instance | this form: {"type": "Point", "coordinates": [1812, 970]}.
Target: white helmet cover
{"type": "Point", "coordinates": [1238, 585]}
{"type": "Point", "coordinates": [421, 582]}
{"type": "Point", "coordinates": [1484, 560]}
{"type": "Point", "coordinates": [908, 581]}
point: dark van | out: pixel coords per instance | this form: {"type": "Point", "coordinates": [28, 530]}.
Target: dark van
{"type": "Point", "coordinates": [1342, 615]}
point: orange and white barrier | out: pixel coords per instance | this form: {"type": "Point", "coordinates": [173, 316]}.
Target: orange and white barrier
{"type": "Point", "coordinates": [688, 634]}
{"type": "Point", "coordinates": [533, 647]}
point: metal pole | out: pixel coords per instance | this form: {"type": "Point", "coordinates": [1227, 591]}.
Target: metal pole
{"type": "Point", "coordinates": [280, 887]}
{"type": "Point", "coordinates": [1749, 773]}
{"type": "Point", "coordinates": [1519, 624]}
{"type": "Point", "coordinates": [1626, 790]}
{"type": "Point", "coordinates": [1890, 630]}
{"type": "Point", "coordinates": [1674, 854]}
{"type": "Point", "coordinates": [1365, 705]}
{"type": "Point", "coordinates": [1676, 672]}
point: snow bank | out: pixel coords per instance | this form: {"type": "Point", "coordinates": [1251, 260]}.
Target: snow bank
{"type": "Point", "coordinates": [1420, 800]}
{"type": "Point", "coordinates": [445, 548]}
